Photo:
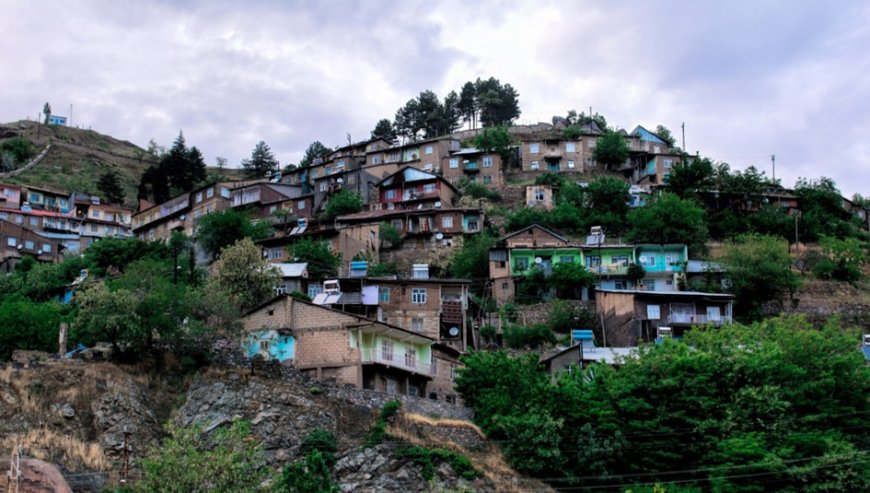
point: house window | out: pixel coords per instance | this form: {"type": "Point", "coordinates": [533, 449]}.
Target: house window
{"type": "Point", "coordinates": [429, 188]}
{"type": "Point", "coordinates": [539, 195]}
{"type": "Point", "coordinates": [619, 284]}
{"type": "Point", "coordinates": [28, 244]}
{"type": "Point", "coordinates": [452, 371]}
{"type": "Point", "coordinates": [417, 324]}
{"type": "Point", "coordinates": [566, 259]}
{"type": "Point", "coordinates": [46, 247]}
{"type": "Point", "coordinates": [11, 241]}
{"type": "Point", "coordinates": [454, 163]}
{"type": "Point", "coordinates": [411, 358]}
{"type": "Point", "coordinates": [390, 194]}
{"type": "Point", "coordinates": [418, 296]}
{"type": "Point", "coordinates": [198, 197]}
{"type": "Point", "coordinates": [447, 222]}
{"type": "Point", "coordinates": [593, 261]}
{"type": "Point", "coordinates": [94, 228]}
{"type": "Point", "coordinates": [487, 161]}
{"type": "Point", "coordinates": [591, 144]}
{"type": "Point", "coordinates": [300, 205]}
{"type": "Point", "coordinates": [225, 192]}
{"type": "Point", "coordinates": [427, 149]}
{"type": "Point", "coordinates": [653, 312]}
{"type": "Point", "coordinates": [280, 289]}
{"type": "Point", "coordinates": [376, 159]}
{"type": "Point", "coordinates": [19, 219]}
{"type": "Point", "coordinates": [34, 221]}
{"type": "Point", "coordinates": [648, 284]}
{"type": "Point", "coordinates": [668, 163]}
{"type": "Point", "coordinates": [536, 165]}
{"type": "Point", "coordinates": [620, 260]}
{"type": "Point", "coordinates": [314, 290]}
{"type": "Point", "coordinates": [570, 164]}
{"type": "Point", "coordinates": [209, 193]}
{"type": "Point", "coordinates": [396, 223]}
{"type": "Point", "coordinates": [714, 314]}
{"type": "Point", "coordinates": [534, 148]}
{"type": "Point", "coordinates": [384, 295]}
{"type": "Point", "coordinates": [648, 260]}
{"type": "Point", "coordinates": [570, 147]}
{"type": "Point", "coordinates": [322, 186]}
{"type": "Point", "coordinates": [8, 192]}
{"type": "Point", "coordinates": [521, 263]}
{"type": "Point", "coordinates": [387, 350]}
{"type": "Point", "coordinates": [487, 179]}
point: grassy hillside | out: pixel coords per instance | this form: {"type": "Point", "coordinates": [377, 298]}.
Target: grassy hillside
{"type": "Point", "coordinates": [77, 158]}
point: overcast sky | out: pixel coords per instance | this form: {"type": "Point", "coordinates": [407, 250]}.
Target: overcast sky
{"type": "Point", "coordinates": [748, 78]}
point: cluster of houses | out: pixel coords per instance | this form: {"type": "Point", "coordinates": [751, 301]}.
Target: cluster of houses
{"type": "Point", "coordinates": [49, 224]}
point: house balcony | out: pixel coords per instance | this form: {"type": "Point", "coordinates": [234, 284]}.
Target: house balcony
{"type": "Point", "coordinates": [553, 153]}
{"type": "Point", "coordinates": [471, 167]}
{"type": "Point", "coordinates": [396, 360]}
{"type": "Point", "coordinates": [696, 319]}
{"type": "Point", "coordinates": [609, 270]}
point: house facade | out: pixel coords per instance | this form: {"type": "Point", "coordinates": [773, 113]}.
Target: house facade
{"type": "Point", "coordinates": [475, 165]}
{"type": "Point", "coordinates": [328, 344]}
{"type": "Point", "coordinates": [632, 316]}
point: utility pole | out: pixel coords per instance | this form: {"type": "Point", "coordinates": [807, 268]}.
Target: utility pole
{"type": "Point", "coordinates": [683, 127]}
{"type": "Point", "coordinates": [70, 114]}
{"type": "Point", "coordinates": [126, 468]}
{"type": "Point", "coordinates": [773, 164]}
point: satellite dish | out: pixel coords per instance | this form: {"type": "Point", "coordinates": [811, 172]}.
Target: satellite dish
{"type": "Point", "coordinates": [438, 204]}
{"type": "Point", "coordinates": [538, 260]}
{"type": "Point", "coordinates": [439, 236]}
{"type": "Point", "coordinates": [340, 181]}
{"type": "Point", "coordinates": [454, 331]}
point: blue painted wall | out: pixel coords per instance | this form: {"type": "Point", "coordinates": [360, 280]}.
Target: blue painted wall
{"type": "Point", "coordinates": [269, 344]}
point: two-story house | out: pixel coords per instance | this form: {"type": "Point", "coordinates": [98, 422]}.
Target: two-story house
{"type": "Point", "coordinates": [271, 198]}
{"type": "Point", "coordinates": [326, 344]}
{"type": "Point", "coordinates": [651, 157]}
{"type": "Point", "coordinates": [474, 165]}
{"type": "Point", "coordinates": [17, 241]}
{"type": "Point", "coordinates": [556, 152]}
{"type": "Point", "coordinates": [100, 220]}
{"type": "Point", "coordinates": [411, 188]}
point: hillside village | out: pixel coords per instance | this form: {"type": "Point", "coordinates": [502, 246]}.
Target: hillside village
{"type": "Point", "coordinates": [386, 263]}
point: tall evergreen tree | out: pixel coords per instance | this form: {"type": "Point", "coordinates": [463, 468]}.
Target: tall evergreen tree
{"type": "Point", "coordinates": [110, 187]}
{"type": "Point", "coordinates": [262, 161]}
{"type": "Point", "coordinates": [315, 150]}
{"type": "Point", "coordinates": [179, 170]}
{"type": "Point", "coordinates": [384, 130]}
{"type": "Point", "coordinates": [467, 104]}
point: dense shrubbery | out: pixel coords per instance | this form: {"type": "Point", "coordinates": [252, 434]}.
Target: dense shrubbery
{"type": "Point", "coordinates": [774, 406]}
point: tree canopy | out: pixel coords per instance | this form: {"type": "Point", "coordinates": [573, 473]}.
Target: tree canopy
{"type": "Point", "coordinates": [611, 150]}
{"type": "Point", "coordinates": [344, 202]}
{"type": "Point", "coordinates": [315, 151]}
{"type": "Point", "coordinates": [223, 228]}
{"type": "Point", "coordinates": [179, 170]}
{"type": "Point", "coordinates": [261, 163]}
{"type": "Point", "coordinates": [243, 273]}
{"type": "Point", "coordinates": [110, 188]}
{"type": "Point", "coordinates": [668, 219]}
{"type": "Point", "coordinates": [384, 130]}
{"type": "Point", "coordinates": [322, 263]}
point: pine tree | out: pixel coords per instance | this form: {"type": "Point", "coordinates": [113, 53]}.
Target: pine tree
{"type": "Point", "coordinates": [262, 161]}
{"type": "Point", "coordinates": [110, 187]}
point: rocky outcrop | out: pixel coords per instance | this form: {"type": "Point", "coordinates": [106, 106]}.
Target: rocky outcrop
{"type": "Point", "coordinates": [36, 476]}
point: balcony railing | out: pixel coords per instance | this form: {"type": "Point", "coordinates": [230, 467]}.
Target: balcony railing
{"type": "Point", "coordinates": [396, 360]}
{"type": "Point", "coordinates": [696, 319]}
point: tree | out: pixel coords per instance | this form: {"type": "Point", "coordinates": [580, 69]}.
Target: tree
{"type": "Point", "coordinates": [497, 104]}
{"type": "Point", "coordinates": [582, 119]}
{"type": "Point", "coordinates": [611, 149]}
{"type": "Point", "coordinates": [688, 179]}
{"type": "Point", "coordinates": [118, 253]}
{"type": "Point", "coordinates": [668, 219]}
{"type": "Point", "coordinates": [30, 325]}
{"type": "Point", "coordinates": [226, 461]}
{"type": "Point", "coordinates": [822, 212]}
{"type": "Point", "coordinates": [19, 149]}
{"type": "Point", "coordinates": [46, 110]}
{"type": "Point", "coordinates": [242, 272]}
{"type": "Point", "coordinates": [344, 202]}
{"type": "Point", "coordinates": [223, 228]}
{"type": "Point", "coordinates": [568, 278]}
{"type": "Point", "coordinates": [315, 151]}
{"type": "Point", "coordinates": [472, 261]}
{"type": "Point", "coordinates": [467, 104]}
{"type": "Point", "coordinates": [322, 263]}
{"type": "Point", "coordinates": [384, 130]}
{"type": "Point", "coordinates": [495, 139]}
{"type": "Point", "coordinates": [665, 133]}
{"type": "Point", "coordinates": [106, 315]}
{"type": "Point", "coordinates": [179, 170]}
{"type": "Point", "coordinates": [606, 203]}
{"type": "Point", "coordinates": [262, 162]}
{"type": "Point", "coordinates": [843, 260]}
{"type": "Point", "coordinates": [759, 270]}
{"type": "Point", "coordinates": [110, 187]}
{"type": "Point", "coordinates": [311, 475]}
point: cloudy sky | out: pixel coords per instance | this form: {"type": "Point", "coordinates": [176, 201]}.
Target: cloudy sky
{"type": "Point", "coordinates": [748, 78]}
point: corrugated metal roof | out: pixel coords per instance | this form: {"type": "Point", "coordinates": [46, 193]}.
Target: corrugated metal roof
{"type": "Point", "coordinates": [296, 269]}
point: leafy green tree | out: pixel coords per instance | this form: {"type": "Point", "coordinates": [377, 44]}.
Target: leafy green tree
{"type": "Point", "coordinates": [472, 261]}
{"type": "Point", "coordinates": [668, 219]}
{"type": "Point", "coordinates": [770, 220]}
{"type": "Point", "coordinates": [688, 179]}
{"type": "Point", "coordinates": [389, 233]}
{"type": "Point", "coordinates": [344, 202]}
{"type": "Point", "coordinates": [30, 325]}
{"type": "Point", "coordinates": [109, 186]}
{"type": "Point", "coordinates": [315, 151]}
{"type": "Point", "coordinates": [20, 149]}
{"type": "Point", "coordinates": [322, 263]}
{"type": "Point", "coordinates": [495, 139]}
{"type": "Point", "coordinates": [606, 202]}
{"type": "Point", "coordinates": [581, 119]}
{"type": "Point", "coordinates": [120, 252]}
{"type": "Point", "coordinates": [822, 212]}
{"type": "Point", "coordinates": [611, 150]}
{"type": "Point", "coordinates": [226, 461]}
{"type": "Point", "coordinates": [106, 315]}
{"type": "Point", "coordinates": [759, 270]}
{"type": "Point", "coordinates": [842, 260]}
{"type": "Point", "coordinates": [665, 133]}
{"type": "Point", "coordinates": [46, 110]}
{"type": "Point", "coordinates": [568, 278]}
{"type": "Point", "coordinates": [242, 272]}
{"type": "Point", "coordinates": [223, 228]}
{"type": "Point", "coordinates": [384, 130]}
{"type": "Point", "coordinates": [497, 103]}
{"type": "Point", "coordinates": [261, 163]}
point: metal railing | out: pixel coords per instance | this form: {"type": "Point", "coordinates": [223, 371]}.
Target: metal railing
{"type": "Point", "coordinates": [696, 319]}
{"type": "Point", "coordinates": [395, 359]}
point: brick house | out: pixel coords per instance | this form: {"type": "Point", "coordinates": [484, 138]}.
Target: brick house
{"type": "Point", "coordinates": [554, 152]}
{"type": "Point", "coordinates": [16, 242]}
{"type": "Point", "coordinates": [269, 198]}
{"type": "Point", "coordinates": [410, 188]}
{"type": "Point", "coordinates": [475, 165]}
{"type": "Point", "coordinates": [632, 316]}
{"type": "Point", "coordinates": [329, 344]}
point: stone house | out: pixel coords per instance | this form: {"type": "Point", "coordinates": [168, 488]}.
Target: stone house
{"type": "Point", "coordinates": [475, 165]}
{"type": "Point", "coordinates": [330, 344]}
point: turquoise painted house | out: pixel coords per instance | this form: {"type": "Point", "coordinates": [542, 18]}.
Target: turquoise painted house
{"type": "Point", "coordinates": [270, 345]}
{"type": "Point", "coordinates": [664, 265]}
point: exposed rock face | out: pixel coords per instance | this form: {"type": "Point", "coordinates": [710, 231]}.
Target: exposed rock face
{"type": "Point", "coordinates": [124, 404]}
{"type": "Point", "coordinates": [36, 477]}
{"type": "Point", "coordinates": [377, 470]}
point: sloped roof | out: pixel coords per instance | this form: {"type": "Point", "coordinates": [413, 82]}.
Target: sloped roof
{"type": "Point", "coordinates": [548, 231]}
{"type": "Point", "coordinates": [297, 269]}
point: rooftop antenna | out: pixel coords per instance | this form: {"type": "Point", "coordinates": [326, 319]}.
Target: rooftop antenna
{"type": "Point", "coordinates": [773, 164]}
{"type": "Point", "coordinates": [683, 126]}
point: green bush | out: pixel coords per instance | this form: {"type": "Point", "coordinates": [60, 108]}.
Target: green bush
{"type": "Point", "coordinates": [519, 336]}
{"type": "Point", "coordinates": [426, 458]}
{"type": "Point", "coordinates": [20, 149]}
{"type": "Point", "coordinates": [379, 430]}
{"type": "Point", "coordinates": [488, 332]}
